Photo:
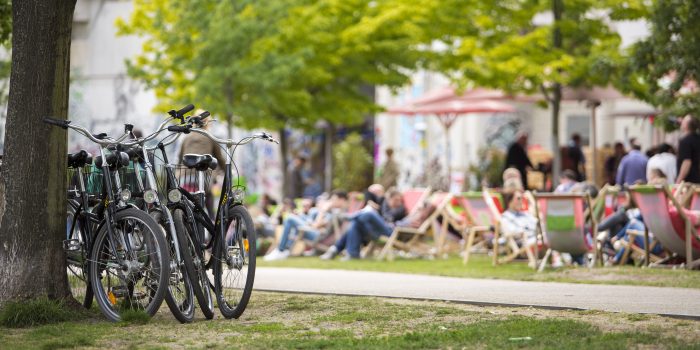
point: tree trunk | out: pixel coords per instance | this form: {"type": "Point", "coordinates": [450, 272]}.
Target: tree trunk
{"type": "Point", "coordinates": [328, 157]}
{"type": "Point", "coordinates": [283, 161]}
{"type": "Point", "coordinates": [33, 225]}
{"type": "Point", "coordinates": [557, 11]}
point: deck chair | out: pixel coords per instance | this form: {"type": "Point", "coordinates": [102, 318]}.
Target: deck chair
{"type": "Point", "coordinates": [482, 218]}
{"type": "Point", "coordinates": [408, 239]}
{"type": "Point", "coordinates": [411, 199]}
{"type": "Point", "coordinates": [677, 234]}
{"type": "Point", "coordinates": [565, 230]}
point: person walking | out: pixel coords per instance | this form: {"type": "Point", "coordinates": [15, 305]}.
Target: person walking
{"type": "Point", "coordinates": [389, 174]}
{"type": "Point", "coordinates": [517, 157]}
{"type": "Point", "coordinates": [297, 183]}
{"type": "Point", "coordinates": [196, 143]}
{"type": "Point", "coordinates": [633, 166]}
{"type": "Point", "coordinates": [688, 163]}
{"type": "Point", "coordinates": [613, 162]}
{"type": "Point", "coordinates": [574, 159]}
{"type": "Point", "coordinates": [664, 161]}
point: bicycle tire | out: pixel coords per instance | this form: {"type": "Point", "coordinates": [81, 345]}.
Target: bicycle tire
{"type": "Point", "coordinates": [146, 238]}
{"type": "Point", "coordinates": [228, 242]}
{"type": "Point", "coordinates": [179, 296]}
{"type": "Point", "coordinates": [76, 261]}
{"type": "Point", "coordinates": [193, 263]}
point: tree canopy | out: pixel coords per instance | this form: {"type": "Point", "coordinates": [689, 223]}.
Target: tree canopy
{"type": "Point", "coordinates": [276, 62]}
{"type": "Point", "coordinates": [664, 68]}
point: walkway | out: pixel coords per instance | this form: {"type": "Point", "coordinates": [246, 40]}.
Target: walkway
{"type": "Point", "coordinates": [632, 299]}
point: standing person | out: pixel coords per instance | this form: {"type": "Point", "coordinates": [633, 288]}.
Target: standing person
{"type": "Point", "coordinates": [296, 185]}
{"type": "Point", "coordinates": [575, 160]}
{"type": "Point", "coordinates": [688, 163]}
{"type": "Point", "coordinates": [633, 166]}
{"type": "Point", "coordinates": [196, 143]}
{"type": "Point", "coordinates": [517, 157]}
{"type": "Point", "coordinates": [664, 161]}
{"type": "Point", "coordinates": [389, 174]}
{"type": "Point", "coordinates": [613, 162]}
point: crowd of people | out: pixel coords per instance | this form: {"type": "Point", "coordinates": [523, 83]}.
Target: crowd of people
{"type": "Point", "coordinates": [339, 223]}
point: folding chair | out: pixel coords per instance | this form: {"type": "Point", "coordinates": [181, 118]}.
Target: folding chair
{"type": "Point", "coordinates": [565, 228]}
{"type": "Point", "coordinates": [676, 233]}
{"type": "Point", "coordinates": [411, 199]}
{"type": "Point", "coordinates": [482, 218]}
{"type": "Point", "coordinates": [407, 238]}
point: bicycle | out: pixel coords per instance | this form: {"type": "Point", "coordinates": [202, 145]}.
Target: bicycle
{"type": "Point", "coordinates": [232, 244]}
{"type": "Point", "coordinates": [127, 265]}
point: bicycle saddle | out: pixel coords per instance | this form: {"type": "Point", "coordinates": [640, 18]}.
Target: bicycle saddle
{"type": "Point", "coordinates": [79, 159]}
{"type": "Point", "coordinates": [199, 162]}
{"type": "Point", "coordinates": [114, 160]}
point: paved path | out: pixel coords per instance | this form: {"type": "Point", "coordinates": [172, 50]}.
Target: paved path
{"type": "Point", "coordinates": [633, 299]}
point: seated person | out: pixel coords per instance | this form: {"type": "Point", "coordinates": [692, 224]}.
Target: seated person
{"type": "Point", "coordinates": [567, 182]}
{"type": "Point", "coordinates": [634, 223]}
{"type": "Point", "coordinates": [519, 224]}
{"type": "Point", "coordinates": [265, 217]}
{"type": "Point", "coordinates": [369, 223]}
{"type": "Point", "coordinates": [302, 217]}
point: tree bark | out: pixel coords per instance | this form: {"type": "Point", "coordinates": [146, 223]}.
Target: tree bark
{"type": "Point", "coordinates": [284, 145]}
{"type": "Point", "coordinates": [33, 224]}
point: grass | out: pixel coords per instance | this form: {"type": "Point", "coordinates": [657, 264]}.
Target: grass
{"type": "Point", "coordinates": [20, 314]}
{"type": "Point", "coordinates": [480, 267]}
{"type": "Point", "coordinates": [326, 322]}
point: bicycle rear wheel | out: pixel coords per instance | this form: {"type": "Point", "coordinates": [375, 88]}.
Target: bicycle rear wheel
{"type": "Point", "coordinates": [130, 269]}
{"type": "Point", "coordinates": [234, 263]}
{"type": "Point", "coordinates": [76, 248]}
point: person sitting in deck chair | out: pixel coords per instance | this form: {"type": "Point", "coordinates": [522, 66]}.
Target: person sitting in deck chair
{"type": "Point", "coordinates": [310, 225]}
{"type": "Point", "coordinates": [517, 225]}
{"type": "Point", "coordinates": [369, 222]}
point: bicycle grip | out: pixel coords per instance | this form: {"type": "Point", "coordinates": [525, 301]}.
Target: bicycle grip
{"type": "Point", "coordinates": [185, 109]}
{"type": "Point", "coordinates": [178, 128]}
{"type": "Point", "coordinates": [57, 122]}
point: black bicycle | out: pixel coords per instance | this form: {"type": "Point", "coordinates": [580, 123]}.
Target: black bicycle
{"type": "Point", "coordinates": [229, 250]}
{"type": "Point", "coordinates": [127, 261]}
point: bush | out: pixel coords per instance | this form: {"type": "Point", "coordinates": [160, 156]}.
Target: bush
{"type": "Point", "coordinates": [488, 170]}
{"type": "Point", "coordinates": [19, 314]}
{"type": "Point", "coordinates": [352, 164]}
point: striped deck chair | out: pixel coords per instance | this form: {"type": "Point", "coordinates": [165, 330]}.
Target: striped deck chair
{"type": "Point", "coordinates": [482, 219]}
{"type": "Point", "coordinates": [411, 199]}
{"type": "Point", "coordinates": [453, 217]}
{"type": "Point", "coordinates": [565, 230]}
{"type": "Point", "coordinates": [408, 239]}
{"type": "Point", "coordinates": [676, 233]}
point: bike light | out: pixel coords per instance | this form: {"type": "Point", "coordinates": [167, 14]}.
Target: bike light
{"type": "Point", "coordinates": [125, 195]}
{"type": "Point", "coordinates": [238, 195]}
{"type": "Point", "coordinates": [150, 196]}
{"type": "Point", "coordinates": [174, 196]}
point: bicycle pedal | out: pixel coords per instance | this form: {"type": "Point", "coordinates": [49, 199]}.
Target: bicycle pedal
{"type": "Point", "coordinates": [71, 245]}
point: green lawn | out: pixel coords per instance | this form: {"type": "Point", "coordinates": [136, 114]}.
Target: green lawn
{"type": "Point", "coordinates": [284, 321]}
{"type": "Point", "coordinates": [480, 267]}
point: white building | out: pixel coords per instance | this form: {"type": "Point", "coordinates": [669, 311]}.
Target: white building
{"type": "Point", "coordinates": [418, 139]}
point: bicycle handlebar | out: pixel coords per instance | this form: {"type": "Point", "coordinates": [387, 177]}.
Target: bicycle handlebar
{"type": "Point", "coordinates": [101, 139]}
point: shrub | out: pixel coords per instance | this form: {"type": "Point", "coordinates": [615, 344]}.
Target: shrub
{"type": "Point", "coordinates": [352, 164]}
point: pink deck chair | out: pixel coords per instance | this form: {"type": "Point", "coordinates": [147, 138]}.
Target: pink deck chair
{"type": "Point", "coordinates": [407, 238]}
{"type": "Point", "coordinates": [483, 218]}
{"type": "Point", "coordinates": [668, 221]}
{"type": "Point", "coordinates": [564, 217]}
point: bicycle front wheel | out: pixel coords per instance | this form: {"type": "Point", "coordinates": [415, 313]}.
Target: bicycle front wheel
{"type": "Point", "coordinates": [179, 296]}
{"type": "Point", "coordinates": [234, 263]}
{"type": "Point", "coordinates": [129, 268]}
